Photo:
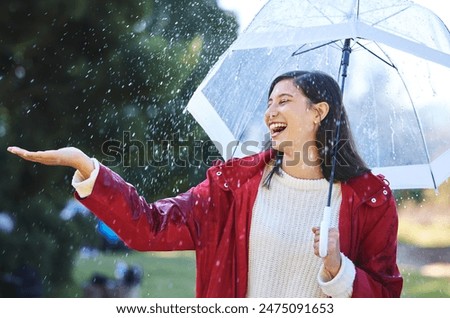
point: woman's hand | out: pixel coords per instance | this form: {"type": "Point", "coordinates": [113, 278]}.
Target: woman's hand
{"type": "Point", "coordinates": [69, 157]}
{"type": "Point", "coordinates": [331, 262]}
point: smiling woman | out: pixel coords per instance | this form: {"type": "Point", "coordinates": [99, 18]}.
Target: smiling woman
{"type": "Point", "coordinates": [289, 108]}
{"type": "Point", "coordinates": [312, 103]}
{"type": "Point", "coordinates": [252, 241]}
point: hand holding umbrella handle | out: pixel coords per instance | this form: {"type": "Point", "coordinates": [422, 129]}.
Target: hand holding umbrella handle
{"type": "Point", "coordinates": [324, 227]}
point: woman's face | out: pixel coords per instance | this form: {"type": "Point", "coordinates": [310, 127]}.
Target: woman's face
{"type": "Point", "coordinates": [290, 117]}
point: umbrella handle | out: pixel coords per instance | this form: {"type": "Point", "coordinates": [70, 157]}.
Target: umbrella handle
{"type": "Point", "coordinates": [324, 227]}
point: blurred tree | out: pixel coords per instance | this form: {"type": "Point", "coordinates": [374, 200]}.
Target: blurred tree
{"type": "Point", "coordinates": [414, 195]}
{"type": "Point", "coordinates": [439, 198]}
{"type": "Point", "coordinates": [111, 78]}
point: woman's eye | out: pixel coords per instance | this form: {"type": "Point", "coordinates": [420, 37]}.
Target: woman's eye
{"type": "Point", "coordinates": [283, 101]}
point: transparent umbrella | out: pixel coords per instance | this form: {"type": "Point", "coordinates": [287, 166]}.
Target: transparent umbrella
{"type": "Point", "coordinates": [395, 92]}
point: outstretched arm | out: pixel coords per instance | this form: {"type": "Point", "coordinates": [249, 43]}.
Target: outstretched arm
{"type": "Point", "coordinates": [69, 157]}
{"type": "Point", "coordinates": [167, 224]}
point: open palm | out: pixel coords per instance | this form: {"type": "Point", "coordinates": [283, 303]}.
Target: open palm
{"type": "Point", "coordinates": [68, 156]}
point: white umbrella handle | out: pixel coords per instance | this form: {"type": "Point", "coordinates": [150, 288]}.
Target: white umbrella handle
{"type": "Point", "coordinates": [324, 227]}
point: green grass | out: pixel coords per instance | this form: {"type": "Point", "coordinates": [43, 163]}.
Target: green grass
{"type": "Point", "coordinates": [416, 285]}
{"type": "Point", "coordinates": [172, 275]}
{"type": "Point", "coordinates": [166, 274]}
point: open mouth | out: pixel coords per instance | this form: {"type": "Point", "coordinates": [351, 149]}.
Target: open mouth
{"type": "Point", "coordinates": [277, 128]}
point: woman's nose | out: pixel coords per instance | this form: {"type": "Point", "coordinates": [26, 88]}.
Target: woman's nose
{"type": "Point", "coordinates": [270, 110]}
{"type": "Point", "coordinates": [271, 113]}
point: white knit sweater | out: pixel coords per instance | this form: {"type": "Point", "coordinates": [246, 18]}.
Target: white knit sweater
{"type": "Point", "coordinates": [282, 261]}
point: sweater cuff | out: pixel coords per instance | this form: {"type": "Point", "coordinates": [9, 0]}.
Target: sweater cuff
{"type": "Point", "coordinates": [342, 284]}
{"type": "Point", "coordinates": [83, 186]}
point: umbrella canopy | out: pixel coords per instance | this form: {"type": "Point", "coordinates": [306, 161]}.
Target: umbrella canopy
{"type": "Point", "coordinates": [395, 93]}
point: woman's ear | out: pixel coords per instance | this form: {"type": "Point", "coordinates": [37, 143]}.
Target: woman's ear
{"type": "Point", "coordinates": [322, 109]}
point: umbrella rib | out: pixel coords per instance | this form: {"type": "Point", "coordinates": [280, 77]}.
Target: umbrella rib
{"type": "Point", "coordinates": [390, 16]}
{"type": "Point", "coordinates": [298, 52]}
{"type": "Point", "coordinates": [318, 9]}
{"type": "Point", "coordinates": [377, 56]}
{"type": "Point", "coordinates": [357, 10]}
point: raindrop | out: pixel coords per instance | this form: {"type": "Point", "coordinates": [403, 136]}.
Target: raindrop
{"type": "Point", "coordinates": [6, 223]}
{"type": "Point", "coordinates": [140, 26]}
{"type": "Point", "coordinates": [20, 72]}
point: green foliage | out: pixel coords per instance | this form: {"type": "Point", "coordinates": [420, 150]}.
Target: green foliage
{"type": "Point", "coordinates": [84, 73]}
{"type": "Point", "coordinates": [404, 196]}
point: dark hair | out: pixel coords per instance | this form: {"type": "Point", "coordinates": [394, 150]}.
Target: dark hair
{"type": "Point", "coordinates": [320, 87]}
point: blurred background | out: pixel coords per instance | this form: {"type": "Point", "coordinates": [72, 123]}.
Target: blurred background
{"type": "Point", "coordinates": [112, 78]}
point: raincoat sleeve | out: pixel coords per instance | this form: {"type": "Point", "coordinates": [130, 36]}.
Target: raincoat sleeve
{"type": "Point", "coordinates": [377, 273]}
{"type": "Point", "coordinates": [84, 186]}
{"type": "Point", "coordinates": [167, 224]}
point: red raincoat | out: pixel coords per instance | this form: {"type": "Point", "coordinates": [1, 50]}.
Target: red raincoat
{"type": "Point", "coordinates": [214, 219]}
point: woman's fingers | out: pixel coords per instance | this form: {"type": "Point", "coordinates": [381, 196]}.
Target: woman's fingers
{"type": "Point", "coordinates": [333, 240]}
{"type": "Point", "coordinates": [25, 154]}
{"type": "Point", "coordinates": [332, 261]}
{"type": "Point", "coordinates": [49, 157]}
{"type": "Point", "coordinates": [68, 156]}
{"type": "Point", "coordinates": [17, 151]}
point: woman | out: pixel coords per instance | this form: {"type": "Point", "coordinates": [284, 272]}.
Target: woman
{"type": "Point", "coordinates": [250, 221]}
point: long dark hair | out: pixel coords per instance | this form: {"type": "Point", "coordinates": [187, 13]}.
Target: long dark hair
{"type": "Point", "coordinates": [320, 87]}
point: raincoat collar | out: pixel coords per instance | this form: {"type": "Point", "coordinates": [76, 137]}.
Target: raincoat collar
{"type": "Point", "coordinates": [248, 168]}
{"type": "Point", "coordinates": [366, 188]}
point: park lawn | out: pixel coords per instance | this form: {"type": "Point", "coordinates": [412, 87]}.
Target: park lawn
{"type": "Point", "coordinates": [416, 285]}
{"type": "Point", "coordinates": [165, 274]}
{"type": "Point", "coordinates": [172, 275]}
